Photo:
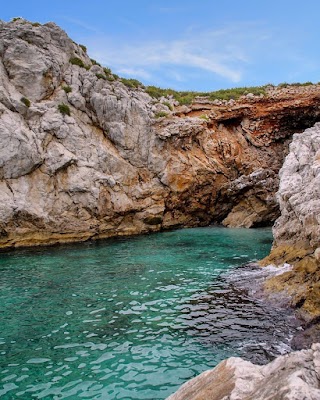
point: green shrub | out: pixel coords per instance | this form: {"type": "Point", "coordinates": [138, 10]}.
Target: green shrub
{"type": "Point", "coordinates": [107, 71]}
{"type": "Point", "coordinates": [160, 114]}
{"type": "Point", "coordinates": [166, 103]}
{"type": "Point", "coordinates": [83, 47]}
{"type": "Point", "coordinates": [187, 97]}
{"type": "Point", "coordinates": [235, 93]}
{"type": "Point", "coordinates": [285, 84]}
{"type": "Point", "coordinates": [204, 116]}
{"type": "Point", "coordinates": [157, 92]}
{"type": "Point", "coordinates": [36, 24]}
{"type": "Point", "coordinates": [116, 76]}
{"type": "Point", "coordinates": [77, 61]}
{"type": "Point", "coordinates": [94, 62]}
{"type": "Point", "coordinates": [110, 78]}
{"type": "Point", "coordinates": [64, 109]}
{"type": "Point", "coordinates": [67, 89]}
{"type": "Point", "coordinates": [131, 83]}
{"type": "Point", "coordinates": [25, 101]}
{"type": "Point", "coordinates": [101, 76]}
{"type": "Point", "coordinates": [16, 19]}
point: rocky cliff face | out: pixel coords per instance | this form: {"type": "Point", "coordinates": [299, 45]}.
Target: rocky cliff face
{"type": "Point", "coordinates": [291, 377]}
{"type": "Point", "coordinates": [299, 193]}
{"type": "Point", "coordinates": [296, 241]}
{"type": "Point", "coordinates": [111, 167]}
{"type": "Point", "coordinates": [297, 230]}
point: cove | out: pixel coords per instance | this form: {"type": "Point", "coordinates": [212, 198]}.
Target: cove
{"type": "Point", "coordinates": [132, 318]}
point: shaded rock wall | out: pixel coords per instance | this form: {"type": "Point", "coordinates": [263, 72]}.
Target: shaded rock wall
{"type": "Point", "coordinates": [113, 168]}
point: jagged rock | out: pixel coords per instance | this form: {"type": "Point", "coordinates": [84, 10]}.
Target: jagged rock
{"type": "Point", "coordinates": [295, 376]}
{"type": "Point", "coordinates": [111, 168]}
{"type": "Point", "coordinates": [299, 193]}
{"type": "Point", "coordinates": [254, 198]}
{"type": "Point", "coordinates": [297, 230]}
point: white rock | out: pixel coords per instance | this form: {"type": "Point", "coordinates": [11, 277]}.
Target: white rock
{"type": "Point", "coordinates": [299, 192]}
{"type": "Point", "coordinates": [291, 377]}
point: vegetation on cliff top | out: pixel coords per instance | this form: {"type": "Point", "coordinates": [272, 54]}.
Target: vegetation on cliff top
{"type": "Point", "coordinates": [187, 97]}
{"type": "Point", "coordinates": [184, 97]}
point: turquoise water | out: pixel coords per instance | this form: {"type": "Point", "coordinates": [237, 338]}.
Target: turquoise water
{"type": "Point", "coordinates": [130, 318]}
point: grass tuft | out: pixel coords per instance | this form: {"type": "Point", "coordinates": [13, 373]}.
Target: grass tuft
{"type": "Point", "coordinates": [160, 114]}
{"type": "Point", "coordinates": [67, 89]}
{"type": "Point", "coordinates": [25, 101]}
{"type": "Point", "coordinates": [77, 61]}
{"type": "Point", "coordinates": [64, 109]}
{"type": "Point", "coordinates": [131, 83]}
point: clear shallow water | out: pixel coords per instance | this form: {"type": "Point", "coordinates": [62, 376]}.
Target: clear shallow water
{"type": "Point", "coordinates": [131, 318]}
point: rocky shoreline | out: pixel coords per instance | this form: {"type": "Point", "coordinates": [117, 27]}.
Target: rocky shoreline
{"type": "Point", "coordinates": [85, 156]}
{"type": "Point", "coordinates": [295, 254]}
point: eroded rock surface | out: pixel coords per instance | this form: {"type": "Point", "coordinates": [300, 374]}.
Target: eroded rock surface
{"type": "Point", "coordinates": [111, 167]}
{"type": "Point", "coordinates": [299, 193]}
{"type": "Point", "coordinates": [295, 376]}
{"type": "Point", "coordinates": [297, 230]}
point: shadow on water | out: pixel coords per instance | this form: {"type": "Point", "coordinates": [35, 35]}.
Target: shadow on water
{"type": "Point", "coordinates": [228, 313]}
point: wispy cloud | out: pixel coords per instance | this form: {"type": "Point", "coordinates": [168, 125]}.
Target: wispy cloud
{"type": "Point", "coordinates": [228, 54]}
{"type": "Point", "coordinates": [208, 51]}
{"type": "Point", "coordinates": [81, 24]}
{"type": "Point", "coordinates": [136, 72]}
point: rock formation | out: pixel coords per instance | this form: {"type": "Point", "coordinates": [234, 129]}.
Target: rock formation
{"type": "Point", "coordinates": [84, 156]}
{"type": "Point", "coordinates": [297, 231]}
{"type": "Point", "coordinates": [295, 376]}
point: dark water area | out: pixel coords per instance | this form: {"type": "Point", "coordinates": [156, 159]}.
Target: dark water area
{"type": "Point", "coordinates": [133, 318]}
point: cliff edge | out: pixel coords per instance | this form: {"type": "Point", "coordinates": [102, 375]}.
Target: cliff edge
{"type": "Point", "coordinates": [84, 154]}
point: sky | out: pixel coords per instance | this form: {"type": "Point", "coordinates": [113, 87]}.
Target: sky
{"type": "Point", "coordinates": [200, 45]}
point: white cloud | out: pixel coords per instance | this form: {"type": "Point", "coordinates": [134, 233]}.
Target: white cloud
{"type": "Point", "coordinates": [81, 24]}
{"type": "Point", "coordinates": [197, 53]}
{"type": "Point", "coordinates": [226, 54]}
{"type": "Point", "coordinates": [136, 72]}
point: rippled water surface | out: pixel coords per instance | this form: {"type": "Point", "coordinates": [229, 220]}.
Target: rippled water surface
{"type": "Point", "coordinates": [131, 318]}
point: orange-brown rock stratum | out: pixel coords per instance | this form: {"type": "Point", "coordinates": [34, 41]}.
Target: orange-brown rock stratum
{"type": "Point", "coordinates": [83, 156]}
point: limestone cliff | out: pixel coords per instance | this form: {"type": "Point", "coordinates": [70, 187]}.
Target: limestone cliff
{"type": "Point", "coordinates": [291, 377]}
{"type": "Point", "coordinates": [297, 230]}
{"type": "Point", "coordinates": [84, 156]}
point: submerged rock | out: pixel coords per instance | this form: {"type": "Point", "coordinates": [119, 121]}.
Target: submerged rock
{"type": "Point", "coordinates": [295, 376]}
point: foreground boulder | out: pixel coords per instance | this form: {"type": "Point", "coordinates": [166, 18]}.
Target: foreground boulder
{"type": "Point", "coordinates": [295, 376]}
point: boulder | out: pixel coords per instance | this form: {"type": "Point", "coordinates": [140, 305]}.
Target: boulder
{"type": "Point", "coordinates": [294, 376]}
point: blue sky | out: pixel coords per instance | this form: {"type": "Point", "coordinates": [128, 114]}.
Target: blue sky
{"type": "Point", "coordinates": [187, 44]}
